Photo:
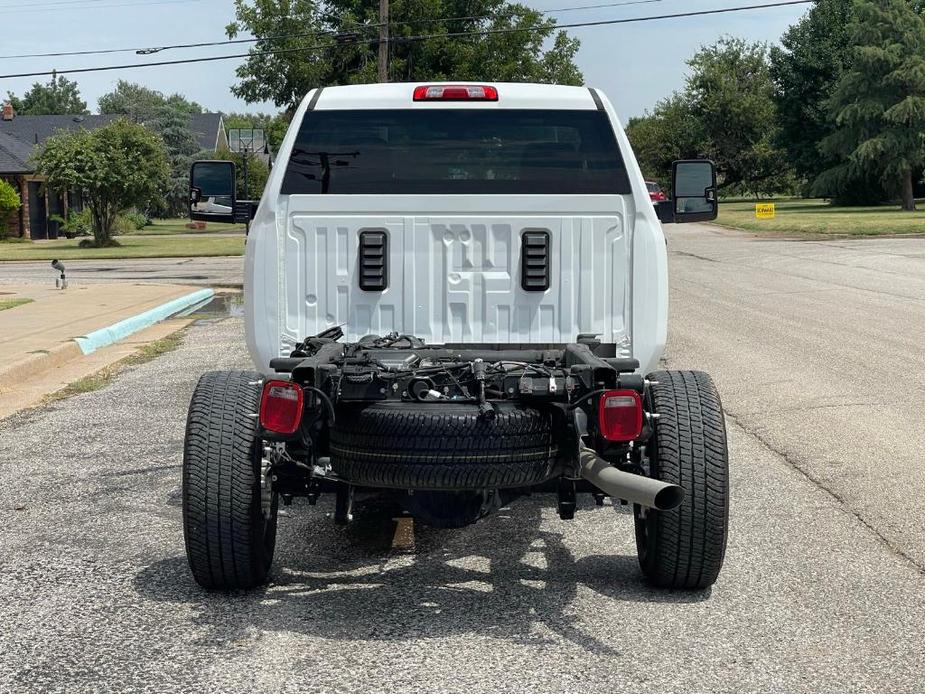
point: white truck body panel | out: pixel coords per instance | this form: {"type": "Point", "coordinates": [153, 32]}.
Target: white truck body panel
{"type": "Point", "coordinates": [454, 259]}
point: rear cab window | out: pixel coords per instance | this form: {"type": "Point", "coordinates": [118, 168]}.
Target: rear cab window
{"type": "Point", "coordinates": [456, 151]}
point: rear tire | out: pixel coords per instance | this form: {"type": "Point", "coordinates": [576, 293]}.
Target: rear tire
{"type": "Point", "coordinates": [684, 548]}
{"type": "Point", "coordinates": [229, 522]}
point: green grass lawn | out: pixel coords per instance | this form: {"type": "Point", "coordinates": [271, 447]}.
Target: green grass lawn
{"type": "Point", "coordinates": [162, 246]}
{"type": "Point", "coordinates": [13, 303]}
{"type": "Point", "coordinates": [158, 227]}
{"type": "Point", "coordinates": [816, 218]}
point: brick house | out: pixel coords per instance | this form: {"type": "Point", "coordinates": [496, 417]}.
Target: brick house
{"type": "Point", "coordinates": [19, 135]}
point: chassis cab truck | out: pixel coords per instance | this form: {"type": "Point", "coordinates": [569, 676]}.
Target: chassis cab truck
{"type": "Point", "coordinates": [456, 295]}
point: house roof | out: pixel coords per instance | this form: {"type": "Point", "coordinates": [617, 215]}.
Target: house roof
{"type": "Point", "coordinates": [28, 131]}
{"type": "Point", "coordinates": [36, 129]}
{"type": "Point", "coordinates": [206, 127]}
{"type": "Point", "coordinates": [14, 155]}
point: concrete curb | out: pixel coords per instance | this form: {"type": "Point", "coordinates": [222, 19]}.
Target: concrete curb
{"type": "Point", "coordinates": [38, 363]}
{"type": "Point", "coordinates": [106, 336]}
{"type": "Point", "coordinates": [41, 361]}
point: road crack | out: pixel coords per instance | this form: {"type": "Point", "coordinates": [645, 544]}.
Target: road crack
{"type": "Point", "coordinates": [794, 463]}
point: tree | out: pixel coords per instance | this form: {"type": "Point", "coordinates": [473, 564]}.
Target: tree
{"type": "Point", "coordinates": [171, 124]}
{"type": "Point", "coordinates": [141, 104]}
{"type": "Point", "coordinates": [341, 47]}
{"type": "Point", "coordinates": [725, 112]}
{"type": "Point", "coordinates": [669, 133]}
{"type": "Point", "coordinates": [878, 104]}
{"type": "Point", "coordinates": [181, 103]}
{"type": "Point", "coordinates": [116, 167]}
{"type": "Point", "coordinates": [59, 97]}
{"type": "Point", "coordinates": [732, 97]}
{"type": "Point", "coordinates": [805, 70]}
{"type": "Point", "coordinates": [9, 204]}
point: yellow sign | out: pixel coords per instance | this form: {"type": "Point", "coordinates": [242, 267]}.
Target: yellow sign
{"type": "Point", "coordinates": [765, 210]}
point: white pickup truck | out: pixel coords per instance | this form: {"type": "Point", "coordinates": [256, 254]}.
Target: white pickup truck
{"type": "Point", "coordinates": [456, 295]}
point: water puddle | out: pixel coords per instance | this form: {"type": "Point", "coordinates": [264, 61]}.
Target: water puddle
{"type": "Point", "coordinates": [217, 308]}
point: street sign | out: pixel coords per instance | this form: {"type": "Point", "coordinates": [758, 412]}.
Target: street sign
{"type": "Point", "coordinates": [765, 210]}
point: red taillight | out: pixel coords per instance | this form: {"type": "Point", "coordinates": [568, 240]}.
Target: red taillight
{"type": "Point", "coordinates": [620, 415]}
{"type": "Point", "coordinates": [455, 92]}
{"type": "Point", "coordinates": [281, 407]}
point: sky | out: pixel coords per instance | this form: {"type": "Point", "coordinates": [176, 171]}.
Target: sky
{"type": "Point", "coordinates": [635, 64]}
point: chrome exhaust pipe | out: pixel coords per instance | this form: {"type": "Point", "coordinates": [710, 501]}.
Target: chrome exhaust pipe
{"type": "Point", "coordinates": [636, 489]}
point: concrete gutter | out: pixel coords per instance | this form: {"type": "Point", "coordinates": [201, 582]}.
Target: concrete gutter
{"type": "Point", "coordinates": [106, 336]}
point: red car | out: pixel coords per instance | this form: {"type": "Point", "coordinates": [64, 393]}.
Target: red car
{"type": "Point", "coordinates": [656, 194]}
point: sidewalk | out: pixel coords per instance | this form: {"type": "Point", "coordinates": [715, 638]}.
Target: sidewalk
{"type": "Point", "coordinates": [39, 338]}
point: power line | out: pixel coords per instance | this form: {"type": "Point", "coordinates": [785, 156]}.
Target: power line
{"type": "Point", "coordinates": [147, 50]}
{"type": "Point", "coordinates": [157, 49]}
{"type": "Point", "coordinates": [411, 39]}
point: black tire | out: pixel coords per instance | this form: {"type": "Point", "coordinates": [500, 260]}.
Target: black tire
{"type": "Point", "coordinates": [442, 446]}
{"type": "Point", "coordinates": [229, 523]}
{"type": "Point", "coordinates": [684, 548]}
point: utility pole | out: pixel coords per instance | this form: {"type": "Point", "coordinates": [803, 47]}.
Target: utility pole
{"type": "Point", "coordinates": [383, 40]}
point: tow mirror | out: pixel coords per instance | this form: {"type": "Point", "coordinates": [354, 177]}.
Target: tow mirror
{"type": "Point", "coordinates": [693, 183]}
{"type": "Point", "coordinates": [212, 191]}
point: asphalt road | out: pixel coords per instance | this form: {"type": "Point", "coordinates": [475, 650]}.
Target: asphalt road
{"type": "Point", "coordinates": [823, 590]}
{"type": "Point", "coordinates": [819, 351]}
{"type": "Point", "coordinates": [211, 272]}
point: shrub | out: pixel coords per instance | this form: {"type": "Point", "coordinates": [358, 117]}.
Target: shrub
{"type": "Point", "coordinates": [138, 219]}
{"type": "Point", "coordinates": [123, 225]}
{"type": "Point", "coordinates": [9, 204]}
{"type": "Point", "coordinates": [76, 224]}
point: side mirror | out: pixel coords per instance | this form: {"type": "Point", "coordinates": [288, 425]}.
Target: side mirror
{"type": "Point", "coordinates": [693, 183]}
{"type": "Point", "coordinates": [212, 191]}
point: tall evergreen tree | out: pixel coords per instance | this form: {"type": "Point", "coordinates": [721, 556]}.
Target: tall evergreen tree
{"type": "Point", "coordinates": [172, 125]}
{"type": "Point", "coordinates": [805, 68]}
{"type": "Point", "coordinates": [879, 102]}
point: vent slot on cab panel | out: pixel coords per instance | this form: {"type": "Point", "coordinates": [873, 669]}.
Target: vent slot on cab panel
{"type": "Point", "coordinates": [373, 260]}
{"type": "Point", "coordinates": [534, 261]}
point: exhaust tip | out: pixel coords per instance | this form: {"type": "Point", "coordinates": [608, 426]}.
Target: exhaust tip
{"type": "Point", "coordinates": [669, 498]}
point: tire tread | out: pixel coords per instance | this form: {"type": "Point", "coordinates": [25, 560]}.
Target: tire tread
{"type": "Point", "coordinates": [223, 525]}
{"type": "Point", "coordinates": [686, 547]}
